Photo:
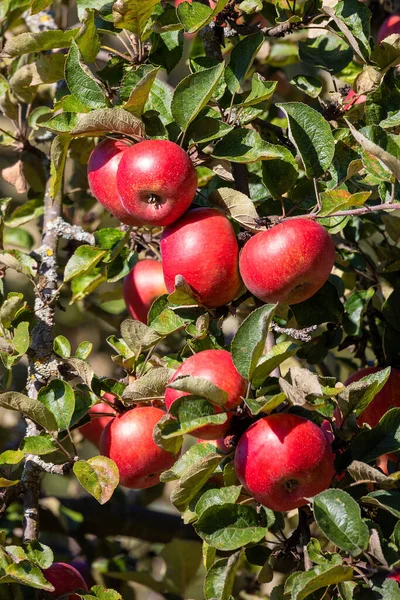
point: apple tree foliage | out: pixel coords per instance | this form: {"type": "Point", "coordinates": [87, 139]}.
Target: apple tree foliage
{"type": "Point", "coordinates": [255, 91]}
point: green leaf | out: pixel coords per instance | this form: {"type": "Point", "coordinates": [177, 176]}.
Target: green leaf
{"type": "Point", "coordinates": [26, 573]}
{"type": "Point", "coordinates": [307, 84]}
{"type": "Point", "coordinates": [386, 500]}
{"type": "Point", "coordinates": [135, 88]}
{"type": "Point", "coordinates": [99, 476]}
{"type": "Point", "coordinates": [192, 94]}
{"type": "Point", "coordinates": [32, 408]}
{"type": "Point", "coordinates": [320, 576]}
{"type": "Point", "coordinates": [370, 140]}
{"type": "Point", "coordinates": [138, 336]}
{"type": "Point", "coordinates": [19, 261]}
{"type": "Point", "coordinates": [261, 90]}
{"type": "Point", "coordinates": [187, 460]}
{"type": "Point", "coordinates": [38, 444]}
{"type": "Point", "coordinates": [311, 135]}
{"type": "Point", "coordinates": [83, 350]}
{"type": "Point", "coordinates": [107, 120]}
{"type": "Point", "coordinates": [355, 306]}
{"type": "Point", "coordinates": [83, 259]}
{"type": "Point", "coordinates": [61, 346]}
{"type": "Point", "coordinates": [193, 480]}
{"type": "Point", "coordinates": [81, 82]}
{"type": "Point", "coordinates": [359, 394]}
{"type": "Point", "coordinates": [10, 308]}
{"type": "Point", "coordinates": [182, 560]}
{"type": "Point", "coordinates": [323, 307]}
{"type": "Point", "coordinates": [194, 16]}
{"type": "Point", "coordinates": [246, 146]}
{"type": "Point", "coordinates": [11, 457]}
{"type": "Point", "coordinates": [21, 338]}
{"type": "Point", "coordinates": [133, 15]}
{"type": "Point", "coordinates": [220, 578]}
{"type": "Point", "coordinates": [173, 444]}
{"type": "Point", "coordinates": [339, 518]}
{"type": "Point", "coordinates": [356, 17]}
{"type": "Point", "coordinates": [167, 49]}
{"type": "Point", "coordinates": [39, 5]}
{"type": "Point", "coordinates": [24, 43]}
{"type": "Point", "coordinates": [150, 386]}
{"type": "Point", "coordinates": [249, 341]}
{"type": "Point", "coordinates": [267, 402]}
{"type": "Point", "coordinates": [327, 52]}
{"type": "Point", "coordinates": [272, 359]}
{"type": "Point", "coordinates": [59, 398]}
{"type": "Point", "coordinates": [191, 413]}
{"type": "Point", "coordinates": [39, 554]}
{"type": "Point", "coordinates": [230, 526]}
{"type": "Point", "coordinates": [199, 386]}
{"type": "Point", "coordinates": [32, 209]}
{"type": "Point", "coordinates": [334, 200]}
{"type": "Point", "coordinates": [238, 206]}
{"type": "Point", "coordinates": [82, 5]}
{"type": "Point", "coordinates": [58, 156]}
{"type": "Point", "coordinates": [381, 439]}
{"type": "Point", "coordinates": [167, 322]}
{"type": "Point", "coordinates": [242, 59]}
{"type": "Point", "coordinates": [88, 39]}
{"type": "Point", "coordinates": [217, 497]}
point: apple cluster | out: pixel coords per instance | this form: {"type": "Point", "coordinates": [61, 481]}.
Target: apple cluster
{"type": "Point", "coordinates": [153, 183]}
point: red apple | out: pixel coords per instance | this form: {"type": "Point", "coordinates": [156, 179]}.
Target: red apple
{"type": "Point", "coordinates": [128, 441]}
{"type": "Point", "coordinates": [387, 398]}
{"type": "Point", "coordinates": [102, 173]}
{"type": "Point", "coordinates": [65, 578]}
{"type": "Point", "coordinates": [156, 181]}
{"type": "Point", "coordinates": [92, 431]}
{"type": "Point", "coordinates": [352, 99]}
{"type": "Point", "coordinates": [389, 26]}
{"type": "Point", "coordinates": [202, 247]}
{"type": "Point", "coordinates": [216, 366]}
{"type": "Point", "coordinates": [142, 286]}
{"type": "Point", "coordinates": [289, 262]}
{"type": "Point", "coordinates": [282, 460]}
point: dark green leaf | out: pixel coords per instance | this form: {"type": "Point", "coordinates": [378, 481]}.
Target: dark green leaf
{"type": "Point", "coordinates": [249, 341]}
{"type": "Point", "coordinates": [192, 94]}
{"type": "Point", "coordinates": [59, 398]}
{"type": "Point", "coordinates": [230, 526]}
{"type": "Point", "coordinates": [323, 307]}
{"type": "Point", "coordinates": [382, 439]}
{"type": "Point", "coordinates": [242, 58]}
{"type": "Point", "coordinates": [61, 346]}
{"type": "Point", "coordinates": [193, 480]}
{"type": "Point", "coordinates": [339, 518]}
{"type": "Point", "coordinates": [217, 497]}
{"type": "Point", "coordinates": [58, 156]}
{"type": "Point", "coordinates": [81, 82]}
{"type": "Point", "coordinates": [83, 259]}
{"type": "Point", "coordinates": [221, 577]}
{"type": "Point", "coordinates": [312, 136]}
{"type": "Point", "coordinates": [327, 52]}
{"type": "Point", "coordinates": [32, 408]}
{"type": "Point", "coordinates": [307, 84]}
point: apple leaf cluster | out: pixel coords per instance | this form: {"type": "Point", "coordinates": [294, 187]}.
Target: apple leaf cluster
{"type": "Point", "coordinates": [287, 114]}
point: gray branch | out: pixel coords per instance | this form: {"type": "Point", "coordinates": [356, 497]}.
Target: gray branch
{"type": "Point", "coordinates": [302, 335]}
{"type": "Point", "coordinates": [62, 229]}
{"type": "Point", "coordinates": [42, 365]}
